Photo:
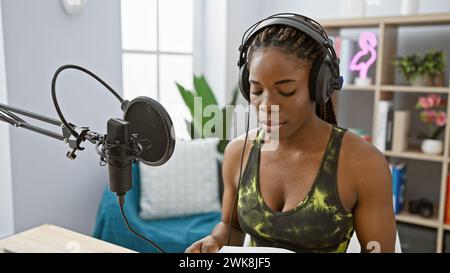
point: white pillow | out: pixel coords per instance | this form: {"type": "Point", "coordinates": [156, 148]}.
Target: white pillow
{"type": "Point", "coordinates": [186, 184]}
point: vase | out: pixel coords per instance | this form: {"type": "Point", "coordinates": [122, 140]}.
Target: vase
{"type": "Point", "coordinates": [431, 146]}
{"type": "Point", "coordinates": [428, 80]}
{"type": "Point", "coordinates": [436, 80]}
{"type": "Point", "coordinates": [409, 7]}
{"type": "Point", "coordinates": [419, 80]}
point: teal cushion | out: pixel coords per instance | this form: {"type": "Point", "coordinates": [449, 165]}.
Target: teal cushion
{"type": "Point", "coordinates": [171, 234]}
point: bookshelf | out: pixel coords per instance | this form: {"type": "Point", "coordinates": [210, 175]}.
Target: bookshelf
{"type": "Point", "coordinates": [384, 87]}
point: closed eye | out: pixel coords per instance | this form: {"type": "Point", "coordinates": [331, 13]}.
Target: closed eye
{"type": "Point", "coordinates": [257, 93]}
{"type": "Point", "coordinates": [288, 94]}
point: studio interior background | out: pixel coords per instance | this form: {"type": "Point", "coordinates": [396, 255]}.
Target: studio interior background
{"type": "Point", "coordinates": [145, 47]}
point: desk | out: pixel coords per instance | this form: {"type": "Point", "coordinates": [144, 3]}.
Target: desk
{"type": "Point", "coordinates": [53, 239]}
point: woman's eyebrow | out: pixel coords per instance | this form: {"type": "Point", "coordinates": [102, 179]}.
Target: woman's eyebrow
{"type": "Point", "coordinates": [284, 81]}
{"type": "Point", "coordinates": [277, 82]}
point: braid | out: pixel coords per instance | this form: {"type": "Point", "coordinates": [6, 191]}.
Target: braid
{"type": "Point", "coordinates": [326, 112]}
{"type": "Point", "coordinates": [294, 42]}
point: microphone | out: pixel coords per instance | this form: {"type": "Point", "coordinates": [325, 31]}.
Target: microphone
{"type": "Point", "coordinates": [145, 134]}
{"type": "Point", "coordinates": [119, 157]}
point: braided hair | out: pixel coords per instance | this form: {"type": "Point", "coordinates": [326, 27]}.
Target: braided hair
{"type": "Point", "coordinates": [299, 44]}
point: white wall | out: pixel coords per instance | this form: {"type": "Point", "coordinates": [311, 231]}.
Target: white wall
{"type": "Point", "coordinates": [212, 47]}
{"type": "Point", "coordinates": [39, 37]}
{"type": "Point", "coordinates": [6, 201]}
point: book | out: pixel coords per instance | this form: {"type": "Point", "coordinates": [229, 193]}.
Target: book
{"type": "Point", "coordinates": [389, 128]}
{"type": "Point", "coordinates": [398, 186]}
{"type": "Point", "coordinates": [251, 249]}
{"type": "Point", "coordinates": [447, 202]}
{"type": "Point", "coordinates": [381, 126]}
{"type": "Point", "coordinates": [400, 131]}
{"type": "Point", "coordinates": [345, 51]}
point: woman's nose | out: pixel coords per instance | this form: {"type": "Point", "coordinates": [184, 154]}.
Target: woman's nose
{"type": "Point", "coordinates": [269, 104]}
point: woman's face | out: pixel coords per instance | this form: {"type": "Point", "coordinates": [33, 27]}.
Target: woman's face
{"type": "Point", "coordinates": [280, 79]}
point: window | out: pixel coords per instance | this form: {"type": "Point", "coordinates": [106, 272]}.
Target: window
{"type": "Point", "coordinates": [157, 44]}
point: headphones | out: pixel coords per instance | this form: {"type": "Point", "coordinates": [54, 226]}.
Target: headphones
{"type": "Point", "coordinates": [324, 77]}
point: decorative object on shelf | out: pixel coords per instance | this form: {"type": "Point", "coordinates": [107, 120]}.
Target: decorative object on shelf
{"type": "Point", "coordinates": [400, 131]}
{"type": "Point", "coordinates": [206, 97]}
{"type": "Point", "coordinates": [74, 7]}
{"type": "Point", "coordinates": [352, 8]}
{"type": "Point", "coordinates": [367, 43]}
{"type": "Point", "coordinates": [422, 207]}
{"type": "Point", "coordinates": [409, 7]}
{"type": "Point", "coordinates": [398, 186]}
{"type": "Point", "coordinates": [422, 71]}
{"type": "Point", "coordinates": [434, 65]}
{"type": "Point", "coordinates": [436, 119]}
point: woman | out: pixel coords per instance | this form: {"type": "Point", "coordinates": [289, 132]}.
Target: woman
{"type": "Point", "coordinates": [322, 182]}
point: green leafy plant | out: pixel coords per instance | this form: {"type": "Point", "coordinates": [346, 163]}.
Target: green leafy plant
{"type": "Point", "coordinates": [409, 66]}
{"type": "Point", "coordinates": [433, 62]}
{"type": "Point", "coordinates": [203, 93]}
{"type": "Point", "coordinates": [431, 65]}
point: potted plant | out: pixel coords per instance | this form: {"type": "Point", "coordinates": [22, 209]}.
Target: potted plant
{"type": "Point", "coordinates": [422, 71]}
{"type": "Point", "coordinates": [433, 64]}
{"type": "Point", "coordinates": [431, 113]}
{"type": "Point", "coordinates": [203, 91]}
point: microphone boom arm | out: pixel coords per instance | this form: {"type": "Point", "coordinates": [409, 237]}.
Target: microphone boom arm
{"type": "Point", "coordinates": [6, 115]}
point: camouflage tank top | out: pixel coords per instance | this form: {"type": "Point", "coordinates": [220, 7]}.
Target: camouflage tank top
{"type": "Point", "coordinates": [319, 223]}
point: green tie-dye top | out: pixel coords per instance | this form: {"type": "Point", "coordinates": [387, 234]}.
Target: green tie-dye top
{"type": "Point", "coordinates": [320, 223]}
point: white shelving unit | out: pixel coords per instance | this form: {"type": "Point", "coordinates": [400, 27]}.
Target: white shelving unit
{"type": "Point", "coordinates": [384, 88]}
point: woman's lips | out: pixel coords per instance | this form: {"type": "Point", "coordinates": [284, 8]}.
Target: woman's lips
{"type": "Point", "coordinates": [272, 125]}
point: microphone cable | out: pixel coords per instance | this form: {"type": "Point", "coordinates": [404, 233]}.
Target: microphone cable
{"type": "Point", "coordinates": [240, 177]}
{"type": "Point", "coordinates": [121, 201]}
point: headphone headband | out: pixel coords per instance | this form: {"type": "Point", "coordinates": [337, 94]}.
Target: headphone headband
{"type": "Point", "coordinates": [297, 21]}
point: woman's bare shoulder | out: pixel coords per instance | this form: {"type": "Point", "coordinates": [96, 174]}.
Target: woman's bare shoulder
{"type": "Point", "coordinates": [361, 159]}
{"type": "Point", "coordinates": [233, 153]}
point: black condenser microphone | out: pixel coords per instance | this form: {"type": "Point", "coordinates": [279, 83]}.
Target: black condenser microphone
{"type": "Point", "coordinates": [119, 156]}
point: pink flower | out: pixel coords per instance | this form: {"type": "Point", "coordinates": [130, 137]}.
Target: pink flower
{"type": "Point", "coordinates": [423, 103]}
{"type": "Point", "coordinates": [430, 116]}
{"type": "Point", "coordinates": [441, 119]}
{"type": "Point", "coordinates": [434, 100]}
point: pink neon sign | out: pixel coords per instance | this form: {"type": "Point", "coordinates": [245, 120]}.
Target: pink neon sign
{"type": "Point", "coordinates": [367, 43]}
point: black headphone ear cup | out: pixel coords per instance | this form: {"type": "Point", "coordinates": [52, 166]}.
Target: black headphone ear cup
{"type": "Point", "coordinates": [321, 77]}
{"type": "Point", "coordinates": [244, 84]}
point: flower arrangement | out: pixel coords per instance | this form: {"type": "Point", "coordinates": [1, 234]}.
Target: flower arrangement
{"type": "Point", "coordinates": [432, 115]}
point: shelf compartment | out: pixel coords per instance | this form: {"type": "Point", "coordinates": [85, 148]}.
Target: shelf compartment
{"type": "Point", "coordinates": [406, 217]}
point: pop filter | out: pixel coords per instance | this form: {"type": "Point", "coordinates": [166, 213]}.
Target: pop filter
{"type": "Point", "coordinates": [154, 128]}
